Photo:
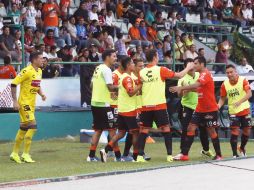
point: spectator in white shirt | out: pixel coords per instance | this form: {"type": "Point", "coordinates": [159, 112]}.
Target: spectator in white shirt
{"type": "Point", "coordinates": [244, 67]}
{"type": "Point", "coordinates": [248, 13]}
{"type": "Point", "coordinates": [93, 15]}
{"type": "Point", "coordinates": [29, 15]}
{"type": "Point", "coordinates": [109, 21]}
{"type": "Point", "coordinates": [190, 53]}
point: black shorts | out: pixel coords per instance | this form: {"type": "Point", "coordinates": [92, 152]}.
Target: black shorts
{"type": "Point", "coordinates": [103, 118]}
{"type": "Point", "coordinates": [209, 119]}
{"type": "Point", "coordinates": [160, 117]}
{"type": "Point", "coordinates": [115, 115]}
{"type": "Point", "coordinates": [125, 123]}
{"type": "Point", "coordinates": [240, 121]}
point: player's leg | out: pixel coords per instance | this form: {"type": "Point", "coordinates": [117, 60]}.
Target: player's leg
{"type": "Point", "coordinates": [246, 127]}
{"type": "Point", "coordinates": [128, 144]}
{"type": "Point", "coordinates": [135, 134]}
{"type": "Point", "coordinates": [162, 121]}
{"type": "Point", "coordinates": [211, 121]}
{"type": "Point", "coordinates": [204, 139]}
{"type": "Point", "coordinates": [234, 128]}
{"type": "Point", "coordinates": [146, 123]}
{"type": "Point", "coordinates": [185, 120]}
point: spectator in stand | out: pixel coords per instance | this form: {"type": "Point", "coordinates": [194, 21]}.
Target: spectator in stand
{"type": "Point", "coordinates": [135, 34]}
{"type": "Point", "coordinates": [141, 17]}
{"type": "Point", "coordinates": [29, 45]}
{"type": "Point", "coordinates": [81, 33]}
{"type": "Point", "coordinates": [208, 21]}
{"type": "Point", "coordinates": [159, 48]}
{"type": "Point", "coordinates": [150, 16]}
{"type": "Point", "coordinates": [65, 55]}
{"type": "Point", "coordinates": [102, 17]}
{"type": "Point", "coordinates": [50, 12]}
{"type": "Point", "coordinates": [120, 46]}
{"type": "Point", "coordinates": [139, 53]}
{"type": "Point", "coordinates": [247, 13]}
{"type": "Point", "coordinates": [221, 57]}
{"type": "Point", "coordinates": [17, 38]}
{"type": "Point", "coordinates": [120, 9]}
{"type": "Point", "coordinates": [95, 38]}
{"type": "Point", "coordinates": [168, 58]}
{"type": "Point", "coordinates": [49, 38]}
{"type": "Point", "coordinates": [238, 14]}
{"type": "Point", "coordinates": [7, 71]}
{"type": "Point", "coordinates": [94, 27]}
{"type": "Point", "coordinates": [29, 15]}
{"type": "Point", "coordinates": [215, 20]}
{"type": "Point", "coordinates": [72, 30]}
{"type": "Point", "coordinates": [93, 15]}
{"type": "Point", "coordinates": [7, 45]}
{"type": "Point", "coordinates": [190, 53]}
{"type": "Point", "coordinates": [64, 8]}
{"type": "Point", "coordinates": [52, 55]}
{"type": "Point", "coordinates": [244, 68]}
{"type": "Point", "coordinates": [82, 12]}
{"type": "Point", "coordinates": [49, 70]}
{"type": "Point", "coordinates": [172, 19]}
{"type": "Point", "coordinates": [46, 51]}
{"type": "Point", "coordinates": [184, 38]}
{"type": "Point", "coordinates": [143, 32]}
{"type": "Point", "coordinates": [64, 35]}
{"type": "Point", "coordinates": [94, 56]}
{"type": "Point", "coordinates": [158, 18]}
{"type": "Point", "coordinates": [39, 21]}
{"type": "Point", "coordinates": [109, 22]}
{"type": "Point", "coordinates": [15, 13]}
{"type": "Point", "coordinates": [107, 40]}
{"type": "Point", "coordinates": [179, 49]}
{"type": "Point", "coordinates": [189, 40]}
{"type": "Point", "coordinates": [167, 43]}
{"type": "Point", "coordinates": [38, 37]}
{"type": "Point", "coordinates": [152, 33]}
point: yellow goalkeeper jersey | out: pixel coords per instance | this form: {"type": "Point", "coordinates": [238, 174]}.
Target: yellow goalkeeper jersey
{"type": "Point", "coordinates": [29, 80]}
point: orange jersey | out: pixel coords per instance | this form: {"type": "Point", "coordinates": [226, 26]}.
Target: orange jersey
{"type": "Point", "coordinates": [7, 72]}
{"type": "Point", "coordinates": [50, 15]}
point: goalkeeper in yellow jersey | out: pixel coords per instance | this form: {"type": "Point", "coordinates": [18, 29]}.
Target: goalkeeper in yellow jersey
{"type": "Point", "coordinates": [29, 80]}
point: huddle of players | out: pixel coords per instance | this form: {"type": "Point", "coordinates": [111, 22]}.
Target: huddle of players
{"type": "Point", "coordinates": [129, 81]}
{"type": "Point", "coordinates": [142, 93]}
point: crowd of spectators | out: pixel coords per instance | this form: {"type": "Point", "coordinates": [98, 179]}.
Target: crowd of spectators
{"type": "Point", "coordinates": [83, 34]}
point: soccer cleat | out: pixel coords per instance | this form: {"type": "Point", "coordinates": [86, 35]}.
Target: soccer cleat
{"type": "Point", "coordinates": [92, 159]}
{"type": "Point", "coordinates": [218, 158]}
{"type": "Point", "coordinates": [208, 153]}
{"type": "Point", "coordinates": [178, 156]}
{"type": "Point", "coordinates": [236, 156]}
{"type": "Point", "coordinates": [141, 159]}
{"type": "Point", "coordinates": [118, 159]}
{"type": "Point", "coordinates": [27, 158]}
{"type": "Point", "coordinates": [103, 155]}
{"type": "Point", "coordinates": [242, 152]}
{"type": "Point", "coordinates": [184, 158]}
{"type": "Point", "coordinates": [127, 159]}
{"type": "Point", "coordinates": [146, 157]}
{"type": "Point", "coordinates": [170, 158]}
{"type": "Point", "coordinates": [15, 157]}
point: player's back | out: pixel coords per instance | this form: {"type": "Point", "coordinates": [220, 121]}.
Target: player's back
{"type": "Point", "coordinates": [206, 94]}
{"type": "Point", "coordinates": [29, 80]}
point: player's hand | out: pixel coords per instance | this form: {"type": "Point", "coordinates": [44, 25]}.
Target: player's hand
{"type": "Point", "coordinates": [113, 96]}
{"type": "Point", "coordinates": [175, 89]}
{"type": "Point", "coordinates": [43, 97]}
{"type": "Point", "coordinates": [237, 104]}
{"type": "Point", "coordinates": [16, 105]}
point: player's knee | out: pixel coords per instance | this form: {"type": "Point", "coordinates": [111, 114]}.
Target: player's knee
{"type": "Point", "coordinates": [235, 130]}
{"type": "Point", "coordinates": [144, 130]}
{"type": "Point", "coordinates": [246, 131]}
{"type": "Point", "coordinates": [165, 129]}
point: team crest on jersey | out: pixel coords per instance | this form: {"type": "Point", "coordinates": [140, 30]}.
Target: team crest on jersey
{"type": "Point", "coordinates": [36, 83]}
{"type": "Point", "coordinates": [234, 92]}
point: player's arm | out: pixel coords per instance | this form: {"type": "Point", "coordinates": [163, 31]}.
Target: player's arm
{"type": "Point", "coordinates": [130, 89]}
{"type": "Point", "coordinates": [247, 89]}
{"type": "Point", "coordinates": [185, 71]}
{"type": "Point", "coordinates": [223, 96]}
{"type": "Point", "coordinates": [22, 76]}
{"type": "Point", "coordinates": [180, 89]}
{"type": "Point", "coordinates": [40, 92]}
{"type": "Point", "coordinates": [107, 74]}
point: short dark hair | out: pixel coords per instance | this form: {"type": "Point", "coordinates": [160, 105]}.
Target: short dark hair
{"type": "Point", "coordinates": [7, 60]}
{"type": "Point", "coordinates": [230, 66]}
{"type": "Point", "coordinates": [125, 61]}
{"type": "Point", "coordinates": [93, 6]}
{"type": "Point", "coordinates": [106, 53]}
{"type": "Point", "coordinates": [4, 27]}
{"type": "Point", "coordinates": [49, 30]}
{"type": "Point", "coordinates": [34, 55]}
{"type": "Point", "coordinates": [200, 49]}
{"type": "Point", "coordinates": [137, 60]}
{"type": "Point", "coordinates": [150, 54]}
{"type": "Point", "coordinates": [119, 35]}
{"type": "Point", "coordinates": [201, 60]}
{"type": "Point", "coordinates": [186, 61]}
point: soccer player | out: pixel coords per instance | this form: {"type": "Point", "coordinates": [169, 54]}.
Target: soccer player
{"type": "Point", "coordinates": [29, 80]}
{"type": "Point", "coordinates": [127, 109]}
{"type": "Point", "coordinates": [103, 119]}
{"type": "Point", "coordinates": [154, 106]}
{"type": "Point", "coordinates": [237, 90]}
{"type": "Point", "coordinates": [189, 102]}
{"type": "Point", "coordinates": [206, 110]}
